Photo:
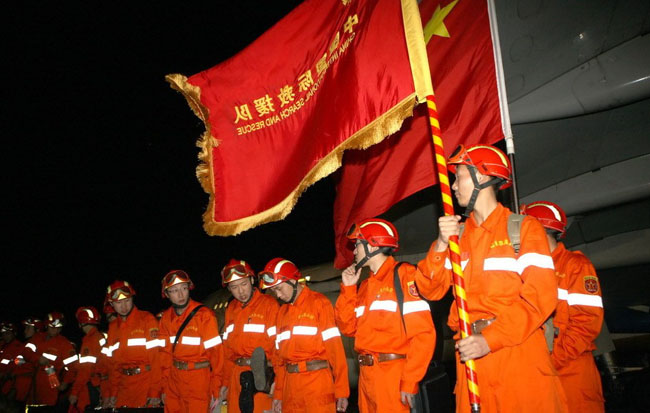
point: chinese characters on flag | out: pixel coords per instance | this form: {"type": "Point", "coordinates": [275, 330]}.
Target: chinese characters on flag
{"type": "Point", "coordinates": [332, 75]}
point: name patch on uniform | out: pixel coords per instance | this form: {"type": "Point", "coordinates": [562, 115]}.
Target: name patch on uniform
{"type": "Point", "coordinates": [591, 284]}
{"type": "Point", "coordinates": [413, 289]}
{"type": "Point", "coordinates": [306, 315]}
{"type": "Point", "coordinates": [386, 290]}
{"type": "Point", "coordinates": [255, 315]}
{"type": "Point", "coordinates": [500, 243]}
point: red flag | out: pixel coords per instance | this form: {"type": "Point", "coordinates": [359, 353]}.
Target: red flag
{"type": "Point", "coordinates": [332, 75]}
{"type": "Point", "coordinates": [463, 72]}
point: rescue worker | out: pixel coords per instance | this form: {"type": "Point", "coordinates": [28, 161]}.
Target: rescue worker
{"type": "Point", "coordinates": [12, 348]}
{"type": "Point", "coordinates": [578, 316]}
{"type": "Point", "coordinates": [393, 336]}
{"type": "Point", "coordinates": [191, 359]}
{"type": "Point", "coordinates": [312, 372]}
{"type": "Point", "coordinates": [509, 295]}
{"type": "Point", "coordinates": [249, 325]}
{"type": "Point", "coordinates": [85, 390]}
{"type": "Point", "coordinates": [51, 352]}
{"type": "Point", "coordinates": [24, 370]}
{"type": "Point", "coordinates": [132, 346]}
{"type": "Point", "coordinates": [103, 367]}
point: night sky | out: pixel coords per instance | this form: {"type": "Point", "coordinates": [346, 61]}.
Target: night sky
{"type": "Point", "coordinates": [99, 154]}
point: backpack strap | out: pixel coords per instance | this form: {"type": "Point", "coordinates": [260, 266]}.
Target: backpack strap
{"type": "Point", "coordinates": [397, 284]}
{"type": "Point", "coordinates": [185, 322]}
{"type": "Point", "coordinates": [514, 230]}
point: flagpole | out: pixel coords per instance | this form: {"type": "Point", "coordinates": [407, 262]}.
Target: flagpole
{"type": "Point", "coordinates": [454, 252]}
{"type": "Point", "coordinates": [503, 101]}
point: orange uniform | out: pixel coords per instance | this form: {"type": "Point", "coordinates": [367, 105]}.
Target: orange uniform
{"type": "Point", "coordinates": [190, 389]}
{"type": "Point", "coordinates": [59, 352]}
{"type": "Point", "coordinates": [577, 321]}
{"type": "Point", "coordinates": [25, 370]}
{"type": "Point", "coordinates": [132, 346]}
{"type": "Point", "coordinates": [373, 318]}
{"type": "Point", "coordinates": [8, 354]}
{"type": "Point", "coordinates": [87, 372]}
{"type": "Point", "coordinates": [306, 331]}
{"type": "Point", "coordinates": [248, 327]}
{"type": "Point", "coordinates": [517, 291]}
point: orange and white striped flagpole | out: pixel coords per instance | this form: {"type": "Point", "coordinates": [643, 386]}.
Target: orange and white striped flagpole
{"type": "Point", "coordinates": [454, 253]}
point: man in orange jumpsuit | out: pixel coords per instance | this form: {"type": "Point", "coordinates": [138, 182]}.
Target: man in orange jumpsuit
{"type": "Point", "coordinates": [132, 346]}
{"type": "Point", "coordinates": [578, 316]}
{"type": "Point", "coordinates": [24, 370]}
{"type": "Point", "coordinates": [11, 349]}
{"type": "Point", "coordinates": [250, 324]}
{"type": "Point", "coordinates": [51, 353]}
{"type": "Point", "coordinates": [192, 359]}
{"type": "Point", "coordinates": [509, 295]}
{"type": "Point", "coordinates": [395, 344]}
{"type": "Point", "coordinates": [312, 372]}
{"type": "Point", "coordinates": [85, 390]}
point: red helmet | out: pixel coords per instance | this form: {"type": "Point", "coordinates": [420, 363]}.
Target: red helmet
{"type": "Point", "coordinates": [119, 290]}
{"type": "Point", "coordinates": [55, 319]}
{"type": "Point", "coordinates": [108, 308]}
{"type": "Point", "coordinates": [488, 160]}
{"type": "Point", "coordinates": [236, 270]}
{"type": "Point", "coordinates": [277, 271]}
{"type": "Point", "coordinates": [6, 326]}
{"type": "Point", "coordinates": [550, 215]}
{"type": "Point", "coordinates": [37, 323]}
{"type": "Point", "coordinates": [378, 233]}
{"type": "Point", "coordinates": [87, 315]}
{"type": "Point", "coordinates": [175, 277]}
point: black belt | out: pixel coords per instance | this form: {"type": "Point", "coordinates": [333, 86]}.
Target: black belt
{"type": "Point", "coordinates": [190, 365]}
{"type": "Point", "coordinates": [369, 360]}
{"type": "Point", "coordinates": [133, 371]}
{"type": "Point", "coordinates": [310, 365]}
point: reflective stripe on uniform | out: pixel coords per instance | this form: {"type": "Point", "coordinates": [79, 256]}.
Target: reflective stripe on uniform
{"type": "Point", "coordinates": [5, 361]}
{"type": "Point", "coordinates": [580, 299]}
{"type": "Point", "coordinates": [102, 341]}
{"type": "Point", "coordinates": [191, 341]}
{"type": "Point", "coordinates": [463, 263]}
{"type": "Point", "coordinates": [330, 333]}
{"type": "Point", "coordinates": [254, 328]}
{"type": "Point", "coordinates": [136, 342]}
{"type": "Point", "coordinates": [415, 306]}
{"type": "Point", "coordinates": [518, 265]}
{"type": "Point", "coordinates": [70, 359]}
{"type": "Point", "coordinates": [585, 299]}
{"type": "Point", "coordinates": [212, 342]}
{"type": "Point", "coordinates": [386, 305]}
{"type": "Point", "coordinates": [152, 343]}
{"type": "Point", "coordinates": [50, 356]}
{"type": "Point", "coordinates": [229, 330]}
{"type": "Point", "coordinates": [31, 346]}
{"type": "Point", "coordinates": [360, 310]}
{"type": "Point", "coordinates": [87, 359]}
{"type": "Point", "coordinates": [271, 331]}
{"type": "Point", "coordinates": [304, 330]}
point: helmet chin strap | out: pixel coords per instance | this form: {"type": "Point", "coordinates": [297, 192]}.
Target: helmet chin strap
{"type": "Point", "coordinates": [293, 284]}
{"type": "Point", "coordinates": [368, 256]}
{"type": "Point", "coordinates": [477, 188]}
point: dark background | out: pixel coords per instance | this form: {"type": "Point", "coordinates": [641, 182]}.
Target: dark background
{"type": "Point", "coordinates": [99, 154]}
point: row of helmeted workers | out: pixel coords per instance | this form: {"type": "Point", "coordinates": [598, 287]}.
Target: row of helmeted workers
{"type": "Point", "coordinates": [535, 309]}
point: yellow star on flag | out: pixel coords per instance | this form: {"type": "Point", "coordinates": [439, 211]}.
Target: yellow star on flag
{"type": "Point", "coordinates": [436, 25]}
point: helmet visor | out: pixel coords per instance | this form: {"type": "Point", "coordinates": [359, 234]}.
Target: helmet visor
{"type": "Point", "coordinates": [354, 232]}
{"type": "Point", "coordinates": [174, 278]}
{"type": "Point", "coordinates": [234, 272]}
{"type": "Point", "coordinates": [270, 279]}
{"type": "Point", "coordinates": [121, 293]}
{"type": "Point", "coordinates": [460, 156]}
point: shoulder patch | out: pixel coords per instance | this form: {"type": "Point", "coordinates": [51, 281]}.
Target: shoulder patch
{"type": "Point", "coordinates": [413, 289]}
{"type": "Point", "coordinates": [153, 332]}
{"type": "Point", "coordinates": [591, 284]}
